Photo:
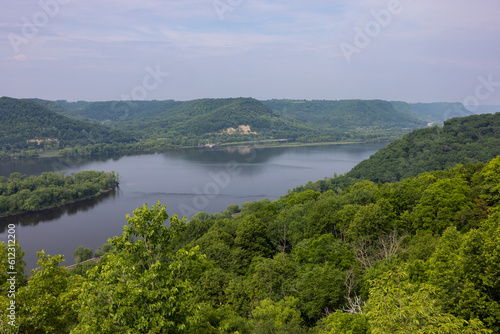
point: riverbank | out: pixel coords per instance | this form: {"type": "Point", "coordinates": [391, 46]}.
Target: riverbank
{"type": "Point", "coordinates": [264, 143]}
{"type": "Point", "coordinates": [100, 193]}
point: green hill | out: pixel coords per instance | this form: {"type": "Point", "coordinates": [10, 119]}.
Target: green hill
{"type": "Point", "coordinates": [433, 112]}
{"type": "Point", "coordinates": [114, 111]}
{"type": "Point", "coordinates": [469, 139]}
{"type": "Point", "coordinates": [194, 120]}
{"type": "Point", "coordinates": [347, 114]}
{"type": "Point", "coordinates": [208, 116]}
{"type": "Point", "coordinates": [305, 121]}
{"type": "Point", "coordinates": [56, 107]}
{"type": "Point", "coordinates": [462, 140]}
{"type": "Point", "coordinates": [24, 122]}
{"type": "Point", "coordinates": [165, 124]}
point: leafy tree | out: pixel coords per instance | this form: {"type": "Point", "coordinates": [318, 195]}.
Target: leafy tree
{"type": "Point", "coordinates": [82, 254]}
{"type": "Point", "coordinates": [465, 270]}
{"type": "Point", "coordinates": [340, 322]}
{"type": "Point", "coordinates": [396, 305]}
{"type": "Point", "coordinates": [47, 302]}
{"type": "Point", "coordinates": [320, 289]}
{"type": "Point", "coordinates": [17, 262]}
{"type": "Point", "coordinates": [277, 317]}
{"type": "Point", "coordinates": [446, 202]}
{"type": "Point", "coordinates": [489, 178]}
{"type": "Point", "coordinates": [251, 238]}
{"type": "Point", "coordinates": [371, 221]}
{"type": "Point", "coordinates": [146, 285]}
{"type": "Point", "coordinates": [324, 249]}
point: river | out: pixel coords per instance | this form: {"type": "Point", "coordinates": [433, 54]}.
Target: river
{"type": "Point", "coordinates": [187, 181]}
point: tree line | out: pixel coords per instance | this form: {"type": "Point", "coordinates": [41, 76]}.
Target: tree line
{"type": "Point", "coordinates": [20, 193]}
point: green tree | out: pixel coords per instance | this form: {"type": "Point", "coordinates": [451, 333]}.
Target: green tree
{"type": "Point", "coordinates": [252, 239]}
{"type": "Point", "coordinates": [465, 270]}
{"type": "Point", "coordinates": [320, 289]}
{"type": "Point", "coordinates": [82, 254]}
{"type": "Point", "coordinates": [447, 202]}
{"type": "Point", "coordinates": [341, 322]}
{"type": "Point", "coordinates": [489, 179]}
{"type": "Point", "coordinates": [147, 285]}
{"type": "Point", "coordinates": [397, 305]}
{"type": "Point", "coordinates": [371, 221]}
{"type": "Point", "coordinates": [48, 300]}
{"type": "Point", "coordinates": [280, 317]}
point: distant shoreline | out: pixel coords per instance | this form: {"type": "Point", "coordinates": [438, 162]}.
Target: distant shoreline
{"type": "Point", "coordinates": [265, 143]}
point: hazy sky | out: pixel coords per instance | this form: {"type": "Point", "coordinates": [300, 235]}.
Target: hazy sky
{"type": "Point", "coordinates": [415, 51]}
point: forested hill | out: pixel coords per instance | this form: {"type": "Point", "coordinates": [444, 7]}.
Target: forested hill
{"type": "Point", "coordinates": [433, 112]}
{"type": "Point", "coordinates": [347, 114]}
{"type": "Point", "coordinates": [25, 124]}
{"type": "Point", "coordinates": [159, 125]}
{"type": "Point", "coordinates": [211, 116]}
{"type": "Point", "coordinates": [463, 140]}
{"type": "Point", "coordinates": [173, 119]}
{"type": "Point", "coordinates": [295, 120]}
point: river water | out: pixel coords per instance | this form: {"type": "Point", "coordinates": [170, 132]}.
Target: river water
{"type": "Point", "coordinates": [187, 181]}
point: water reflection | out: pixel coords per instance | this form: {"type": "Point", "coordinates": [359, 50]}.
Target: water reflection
{"type": "Point", "coordinates": [51, 214]}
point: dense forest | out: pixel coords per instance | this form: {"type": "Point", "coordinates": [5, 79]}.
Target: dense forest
{"type": "Point", "coordinates": [19, 193]}
{"type": "Point", "coordinates": [28, 126]}
{"type": "Point", "coordinates": [470, 139]}
{"type": "Point", "coordinates": [90, 128]}
{"type": "Point", "coordinates": [415, 256]}
{"type": "Point", "coordinates": [32, 127]}
{"type": "Point", "coordinates": [347, 114]}
{"type": "Point", "coordinates": [461, 140]}
{"type": "Point", "coordinates": [200, 121]}
{"type": "Point", "coordinates": [433, 112]}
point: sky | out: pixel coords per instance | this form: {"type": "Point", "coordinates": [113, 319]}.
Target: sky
{"type": "Point", "coordinates": [404, 50]}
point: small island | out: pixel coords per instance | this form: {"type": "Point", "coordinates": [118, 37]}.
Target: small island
{"type": "Point", "coordinates": [19, 193]}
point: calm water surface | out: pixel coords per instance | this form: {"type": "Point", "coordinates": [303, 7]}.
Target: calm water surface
{"type": "Point", "coordinates": [186, 181]}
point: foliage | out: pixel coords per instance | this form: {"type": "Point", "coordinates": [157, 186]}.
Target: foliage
{"type": "Point", "coordinates": [82, 254]}
{"type": "Point", "coordinates": [396, 305]}
{"type": "Point", "coordinates": [160, 279]}
{"type": "Point", "coordinates": [341, 322]}
{"type": "Point", "coordinates": [20, 193]}
{"type": "Point", "coordinates": [98, 128]}
{"type": "Point", "coordinates": [415, 256]}
{"type": "Point", "coordinates": [47, 301]}
{"type": "Point", "coordinates": [463, 140]}
{"type": "Point", "coordinates": [280, 317]}
{"type": "Point", "coordinates": [24, 121]}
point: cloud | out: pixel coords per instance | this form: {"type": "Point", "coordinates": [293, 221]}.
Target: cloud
{"type": "Point", "coordinates": [261, 47]}
{"type": "Point", "coordinates": [19, 57]}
